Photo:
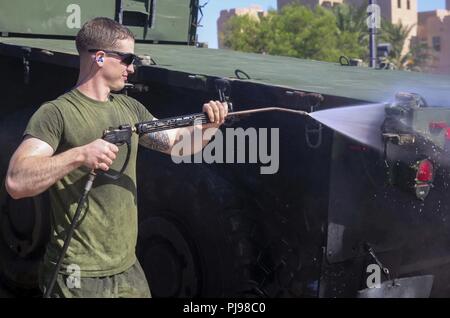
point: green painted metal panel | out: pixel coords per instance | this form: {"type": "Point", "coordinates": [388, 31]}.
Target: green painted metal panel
{"type": "Point", "coordinates": [49, 17]}
{"type": "Point", "coordinates": [153, 20]}
{"type": "Point", "coordinates": [171, 21]}
{"type": "Point", "coordinates": [326, 78]}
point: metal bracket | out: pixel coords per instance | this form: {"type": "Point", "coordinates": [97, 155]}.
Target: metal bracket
{"type": "Point", "coordinates": [399, 139]}
{"type": "Point", "coordinates": [310, 132]}
{"type": "Point", "coordinates": [312, 101]}
{"type": "Point", "coordinates": [223, 88]}
{"type": "Point", "coordinates": [198, 81]}
{"type": "Point", "coordinates": [135, 7]}
{"type": "Point", "coordinates": [384, 269]}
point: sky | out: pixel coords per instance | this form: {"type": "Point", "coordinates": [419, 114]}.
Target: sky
{"type": "Point", "coordinates": [208, 33]}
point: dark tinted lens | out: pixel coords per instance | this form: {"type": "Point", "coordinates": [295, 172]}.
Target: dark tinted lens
{"type": "Point", "coordinates": [128, 59]}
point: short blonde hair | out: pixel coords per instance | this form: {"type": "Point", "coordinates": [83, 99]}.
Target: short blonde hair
{"type": "Point", "coordinates": [101, 33]}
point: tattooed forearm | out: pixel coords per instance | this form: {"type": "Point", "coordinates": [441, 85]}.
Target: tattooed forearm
{"type": "Point", "coordinates": [158, 141]}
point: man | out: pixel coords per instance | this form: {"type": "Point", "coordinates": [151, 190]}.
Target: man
{"type": "Point", "coordinates": [61, 145]}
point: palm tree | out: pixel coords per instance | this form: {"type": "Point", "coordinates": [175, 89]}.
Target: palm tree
{"type": "Point", "coordinates": [352, 19]}
{"type": "Point", "coordinates": [352, 30]}
{"type": "Point", "coordinates": [417, 55]}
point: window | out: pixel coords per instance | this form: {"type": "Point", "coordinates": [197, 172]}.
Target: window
{"type": "Point", "coordinates": [437, 43]}
{"type": "Point", "coordinates": [326, 4]}
{"type": "Point", "coordinates": [399, 4]}
{"type": "Point", "coordinates": [408, 4]}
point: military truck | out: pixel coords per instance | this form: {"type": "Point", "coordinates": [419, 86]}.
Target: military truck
{"type": "Point", "coordinates": [335, 209]}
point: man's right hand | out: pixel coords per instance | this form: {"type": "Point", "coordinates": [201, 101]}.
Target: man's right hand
{"type": "Point", "coordinates": [33, 168]}
{"type": "Point", "coordinates": [99, 154]}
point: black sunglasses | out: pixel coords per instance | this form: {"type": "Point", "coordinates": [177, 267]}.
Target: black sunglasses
{"type": "Point", "coordinates": [126, 58]}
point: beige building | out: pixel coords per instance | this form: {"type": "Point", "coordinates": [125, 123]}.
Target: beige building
{"type": "Point", "coordinates": [311, 3]}
{"type": "Point", "coordinates": [254, 11]}
{"type": "Point", "coordinates": [434, 29]}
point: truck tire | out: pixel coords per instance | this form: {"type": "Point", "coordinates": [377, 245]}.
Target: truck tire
{"type": "Point", "coordinates": [24, 233]}
{"type": "Point", "coordinates": [201, 236]}
{"type": "Point", "coordinates": [196, 238]}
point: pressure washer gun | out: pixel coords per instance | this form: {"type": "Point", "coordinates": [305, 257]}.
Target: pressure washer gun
{"type": "Point", "coordinates": [119, 136]}
{"type": "Point", "coordinates": [122, 134]}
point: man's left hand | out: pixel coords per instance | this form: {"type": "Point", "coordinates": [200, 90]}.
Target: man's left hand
{"type": "Point", "coordinates": [216, 112]}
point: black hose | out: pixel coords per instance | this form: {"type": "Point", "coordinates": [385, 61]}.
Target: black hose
{"type": "Point", "coordinates": [239, 72]}
{"type": "Point", "coordinates": [73, 224]}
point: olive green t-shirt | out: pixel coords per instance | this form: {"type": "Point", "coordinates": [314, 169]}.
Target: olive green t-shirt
{"type": "Point", "coordinates": [104, 242]}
